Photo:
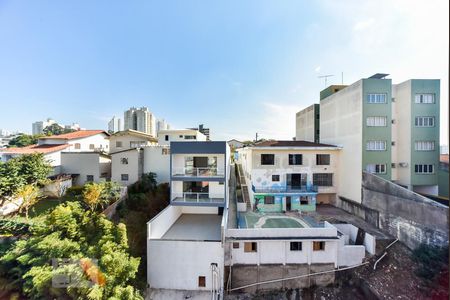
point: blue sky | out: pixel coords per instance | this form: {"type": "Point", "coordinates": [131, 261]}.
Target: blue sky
{"type": "Point", "coordinates": [239, 67]}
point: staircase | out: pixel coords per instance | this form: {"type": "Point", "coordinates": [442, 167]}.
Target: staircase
{"type": "Point", "coordinates": [244, 187]}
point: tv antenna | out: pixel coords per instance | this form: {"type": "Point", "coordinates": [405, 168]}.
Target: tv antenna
{"type": "Point", "coordinates": [325, 77]}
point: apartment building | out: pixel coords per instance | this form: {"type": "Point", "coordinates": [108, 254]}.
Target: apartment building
{"type": "Point", "coordinates": [140, 119]}
{"type": "Point", "coordinates": [115, 125]}
{"type": "Point", "coordinates": [185, 241]}
{"type": "Point", "coordinates": [307, 124]}
{"type": "Point", "coordinates": [165, 137]}
{"type": "Point", "coordinates": [290, 175]}
{"type": "Point", "coordinates": [204, 130]}
{"type": "Point", "coordinates": [388, 130]}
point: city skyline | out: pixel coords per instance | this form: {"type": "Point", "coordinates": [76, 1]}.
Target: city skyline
{"type": "Point", "coordinates": [168, 60]}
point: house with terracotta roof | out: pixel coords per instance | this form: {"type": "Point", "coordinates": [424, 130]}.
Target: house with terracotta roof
{"type": "Point", "coordinates": [129, 139]}
{"type": "Point", "coordinates": [81, 140]}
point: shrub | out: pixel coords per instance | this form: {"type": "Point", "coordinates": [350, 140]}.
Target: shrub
{"type": "Point", "coordinates": [137, 201]}
{"type": "Point", "coordinates": [431, 260]}
{"type": "Point", "coordinates": [75, 191]}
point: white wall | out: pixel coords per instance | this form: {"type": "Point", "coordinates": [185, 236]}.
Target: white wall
{"type": "Point", "coordinates": [100, 141]}
{"type": "Point", "coordinates": [341, 124]}
{"type": "Point", "coordinates": [177, 135]}
{"type": "Point", "coordinates": [157, 160]}
{"type": "Point", "coordinates": [81, 163]}
{"type": "Point", "coordinates": [126, 140]}
{"type": "Point", "coordinates": [132, 168]}
{"type": "Point", "coordinates": [304, 124]}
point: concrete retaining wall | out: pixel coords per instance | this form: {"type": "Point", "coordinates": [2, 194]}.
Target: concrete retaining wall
{"type": "Point", "coordinates": [242, 275]}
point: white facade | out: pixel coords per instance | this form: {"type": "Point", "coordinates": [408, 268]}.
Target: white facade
{"type": "Point", "coordinates": [95, 142]}
{"type": "Point", "coordinates": [127, 166]}
{"type": "Point", "coordinates": [129, 139]}
{"type": "Point", "coordinates": [140, 119]}
{"type": "Point", "coordinates": [161, 124]}
{"type": "Point", "coordinates": [304, 124]}
{"type": "Point", "coordinates": [115, 125]}
{"type": "Point", "coordinates": [157, 160]}
{"type": "Point", "coordinates": [178, 135]}
{"type": "Point", "coordinates": [88, 166]}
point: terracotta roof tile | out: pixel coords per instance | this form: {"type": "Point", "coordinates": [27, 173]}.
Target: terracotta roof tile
{"type": "Point", "coordinates": [291, 144]}
{"type": "Point", "coordinates": [35, 149]}
{"type": "Point", "coordinates": [75, 135]}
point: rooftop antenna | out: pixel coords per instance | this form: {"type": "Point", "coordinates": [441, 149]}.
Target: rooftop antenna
{"type": "Point", "coordinates": [325, 77]}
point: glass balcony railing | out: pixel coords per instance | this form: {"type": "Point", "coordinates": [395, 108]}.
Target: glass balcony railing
{"type": "Point", "coordinates": [286, 189]}
{"type": "Point", "coordinates": [191, 197]}
{"type": "Point", "coordinates": [198, 172]}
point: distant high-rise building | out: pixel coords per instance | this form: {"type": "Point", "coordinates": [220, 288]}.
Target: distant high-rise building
{"type": "Point", "coordinates": [140, 119]}
{"type": "Point", "coordinates": [115, 125]}
{"type": "Point", "coordinates": [38, 127]}
{"type": "Point", "coordinates": [203, 130]}
{"type": "Point", "coordinates": [161, 124]}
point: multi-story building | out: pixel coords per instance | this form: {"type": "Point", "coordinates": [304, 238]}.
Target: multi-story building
{"type": "Point", "coordinates": [115, 125]}
{"type": "Point", "coordinates": [129, 139]}
{"type": "Point", "coordinates": [308, 123]}
{"type": "Point", "coordinates": [389, 130]}
{"type": "Point", "coordinates": [161, 124]}
{"type": "Point", "coordinates": [165, 137]}
{"type": "Point", "coordinates": [39, 126]}
{"type": "Point", "coordinates": [290, 175]}
{"type": "Point", "coordinates": [86, 166]}
{"type": "Point", "coordinates": [140, 119]}
{"type": "Point", "coordinates": [188, 235]}
{"type": "Point", "coordinates": [203, 130]}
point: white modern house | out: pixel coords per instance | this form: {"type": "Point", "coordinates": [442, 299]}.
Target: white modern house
{"type": "Point", "coordinates": [185, 241]}
{"type": "Point", "coordinates": [180, 135]}
{"type": "Point", "coordinates": [157, 160]}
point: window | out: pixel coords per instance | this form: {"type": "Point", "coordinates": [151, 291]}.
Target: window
{"type": "Point", "coordinates": [201, 281]}
{"type": "Point", "coordinates": [275, 177]}
{"type": "Point", "coordinates": [124, 177]}
{"type": "Point", "coordinates": [376, 145]}
{"type": "Point", "coordinates": [295, 159]}
{"type": "Point", "coordinates": [296, 246]}
{"type": "Point", "coordinates": [322, 159]}
{"type": "Point", "coordinates": [137, 144]}
{"type": "Point", "coordinates": [424, 122]}
{"type": "Point", "coordinates": [304, 200]}
{"type": "Point", "coordinates": [77, 146]}
{"type": "Point", "coordinates": [424, 169]}
{"type": "Point", "coordinates": [267, 159]}
{"type": "Point", "coordinates": [250, 247]}
{"type": "Point", "coordinates": [318, 246]}
{"type": "Point", "coordinates": [424, 145]}
{"type": "Point", "coordinates": [165, 151]}
{"type": "Point", "coordinates": [118, 144]}
{"type": "Point", "coordinates": [235, 245]}
{"type": "Point", "coordinates": [221, 182]}
{"type": "Point", "coordinates": [425, 98]}
{"type": "Point", "coordinates": [376, 168]}
{"type": "Point", "coordinates": [89, 178]}
{"type": "Point", "coordinates": [376, 98]}
{"type": "Point", "coordinates": [91, 146]}
{"type": "Point", "coordinates": [181, 136]}
{"type": "Point", "coordinates": [166, 138]}
{"type": "Point", "coordinates": [269, 199]}
{"type": "Point", "coordinates": [190, 137]}
{"type": "Point", "coordinates": [124, 160]}
{"type": "Point", "coordinates": [376, 121]}
{"type": "Point", "coordinates": [323, 179]}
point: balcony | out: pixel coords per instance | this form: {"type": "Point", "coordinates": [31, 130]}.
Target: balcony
{"type": "Point", "coordinates": [286, 189]}
{"type": "Point", "coordinates": [191, 197]}
{"type": "Point", "coordinates": [198, 172]}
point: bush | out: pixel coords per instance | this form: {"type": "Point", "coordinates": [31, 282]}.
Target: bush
{"type": "Point", "coordinates": [75, 191]}
{"type": "Point", "coordinates": [431, 260]}
{"type": "Point", "coordinates": [137, 201]}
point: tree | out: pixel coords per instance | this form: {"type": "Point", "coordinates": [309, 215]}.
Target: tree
{"type": "Point", "coordinates": [56, 129]}
{"type": "Point", "coordinates": [24, 140]}
{"type": "Point", "coordinates": [74, 233]}
{"type": "Point", "coordinates": [30, 195]}
{"type": "Point", "coordinates": [22, 170]}
{"type": "Point", "coordinates": [92, 195]}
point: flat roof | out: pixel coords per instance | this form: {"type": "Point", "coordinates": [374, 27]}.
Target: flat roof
{"type": "Point", "coordinates": [275, 220]}
{"type": "Point", "coordinates": [195, 227]}
{"type": "Point", "coordinates": [274, 143]}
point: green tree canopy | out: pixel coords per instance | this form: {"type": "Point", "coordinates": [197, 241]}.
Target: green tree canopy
{"type": "Point", "coordinates": [24, 140]}
{"type": "Point", "coordinates": [56, 129]}
{"type": "Point", "coordinates": [74, 233]}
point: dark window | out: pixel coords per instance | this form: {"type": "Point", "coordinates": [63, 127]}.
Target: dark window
{"type": "Point", "coordinates": [166, 137]}
{"type": "Point", "coordinates": [322, 159]}
{"type": "Point", "coordinates": [318, 246]}
{"type": "Point", "coordinates": [296, 246]}
{"type": "Point", "coordinates": [250, 247]}
{"type": "Point", "coordinates": [267, 159]}
{"type": "Point", "coordinates": [295, 159]}
{"type": "Point", "coordinates": [91, 146]}
{"type": "Point", "coordinates": [124, 177]}
{"type": "Point", "coordinates": [118, 144]}
{"type": "Point", "coordinates": [275, 177]}
{"type": "Point", "coordinates": [304, 200]}
{"type": "Point", "coordinates": [323, 179]}
{"type": "Point", "coordinates": [124, 160]}
{"type": "Point", "coordinates": [201, 281]}
{"type": "Point", "coordinates": [235, 245]}
{"type": "Point", "coordinates": [269, 199]}
{"type": "Point", "coordinates": [221, 182]}
{"type": "Point", "coordinates": [89, 178]}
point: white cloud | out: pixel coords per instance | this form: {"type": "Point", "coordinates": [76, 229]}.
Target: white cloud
{"type": "Point", "coordinates": [278, 121]}
{"type": "Point", "coordinates": [362, 25]}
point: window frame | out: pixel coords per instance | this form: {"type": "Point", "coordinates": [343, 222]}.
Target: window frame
{"type": "Point", "coordinates": [375, 121]}
{"type": "Point", "coordinates": [276, 178]}
{"type": "Point", "coordinates": [122, 177]}
{"type": "Point", "coordinates": [267, 202]}
{"type": "Point", "coordinates": [375, 98]}
{"type": "Point", "coordinates": [318, 246]}
{"type": "Point", "coordinates": [325, 181]}
{"type": "Point", "coordinates": [267, 163]}
{"type": "Point", "coordinates": [420, 99]}
{"type": "Point", "coordinates": [423, 145]}
{"type": "Point", "coordinates": [250, 247]}
{"type": "Point", "coordinates": [293, 159]}
{"type": "Point", "coordinates": [423, 169]}
{"type": "Point", "coordinates": [375, 145]}
{"type": "Point", "coordinates": [319, 161]}
{"type": "Point", "coordinates": [201, 281]}
{"type": "Point", "coordinates": [295, 246]}
{"type": "Point", "coordinates": [88, 178]}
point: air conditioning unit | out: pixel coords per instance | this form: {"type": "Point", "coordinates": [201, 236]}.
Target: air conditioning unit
{"type": "Point", "coordinates": [403, 164]}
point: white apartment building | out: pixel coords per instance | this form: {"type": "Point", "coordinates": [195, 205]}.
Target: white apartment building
{"type": "Point", "coordinates": [165, 137]}
{"type": "Point", "coordinates": [161, 124]}
{"type": "Point", "coordinates": [115, 125]}
{"type": "Point", "coordinates": [140, 119]}
{"type": "Point", "coordinates": [38, 127]}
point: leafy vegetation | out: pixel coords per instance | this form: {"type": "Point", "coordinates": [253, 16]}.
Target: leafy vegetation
{"type": "Point", "coordinates": [24, 140]}
{"type": "Point", "coordinates": [30, 195]}
{"type": "Point", "coordinates": [56, 129]}
{"type": "Point", "coordinates": [22, 170]}
{"type": "Point", "coordinates": [431, 260]}
{"type": "Point", "coordinates": [71, 232]}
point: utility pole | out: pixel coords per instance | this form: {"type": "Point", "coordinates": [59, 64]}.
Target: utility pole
{"type": "Point", "coordinates": [256, 138]}
{"type": "Point", "coordinates": [325, 77]}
